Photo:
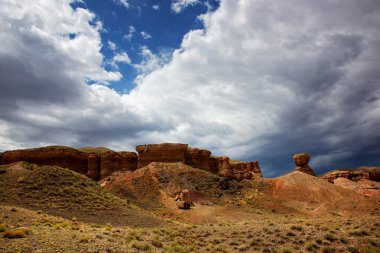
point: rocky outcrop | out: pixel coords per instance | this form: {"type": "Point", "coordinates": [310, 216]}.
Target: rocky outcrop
{"type": "Point", "coordinates": [65, 157]}
{"type": "Point", "coordinates": [363, 186]}
{"type": "Point", "coordinates": [369, 173]}
{"type": "Point", "coordinates": [98, 163]}
{"type": "Point", "coordinates": [128, 161]}
{"type": "Point", "coordinates": [302, 160]}
{"type": "Point", "coordinates": [198, 158]}
{"type": "Point", "coordinates": [112, 161]}
{"type": "Point", "coordinates": [224, 167]}
{"type": "Point", "coordinates": [213, 164]}
{"type": "Point", "coordinates": [95, 166]}
{"type": "Point", "coordinates": [236, 170]}
{"type": "Point", "coordinates": [166, 153]}
{"type": "Point", "coordinates": [183, 199]}
{"type": "Point", "coordinates": [246, 170]}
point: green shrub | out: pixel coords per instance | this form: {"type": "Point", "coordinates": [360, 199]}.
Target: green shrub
{"type": "Point", "coordinates": [296, 227]}
{"type": "Point", "coordinates": [330, 237]}
{"type": "Point", "coordinates": [2, 228]}
{"type": "Point", "coordinates": [290, 234]}
{"type": "Point", "coordinates": [359, 232]}
{"type": "Point", "coordinates": [16, 233]}
{"type": "Point", "coordinates": [328, 250]}
{"type": "Point", "coordinates": [352, 249]}
{"type": "Point", "coordinates": [21, 179]}
{"type": "Point", "coordinates": [156, 243]}
{"type": "Point", "coordinates": [139, 245]}
{"type": "Point", "coordinates": [311, 246]}
{"type": "Point", "coordinates": [84, 239]}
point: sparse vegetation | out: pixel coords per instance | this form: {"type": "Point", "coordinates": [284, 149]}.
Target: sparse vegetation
{"type": "Point", "coordinates": [221, 226]}
{"type": "Point", "coordinates": [2, 228]}
{"type": "Point", "coordinates": [16, 233]}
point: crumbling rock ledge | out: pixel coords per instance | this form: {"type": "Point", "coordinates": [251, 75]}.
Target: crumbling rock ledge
{"type": "Point", "coordinates": [368, 173]}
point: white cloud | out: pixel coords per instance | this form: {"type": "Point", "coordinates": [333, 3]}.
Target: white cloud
{"type": "Point", "coordinates": [120, 58]}
{"type": "Point", "coordinates": [122, 2]}
{"type": "Point", "coordinates": [145, 35]}
{"type": "Point", "coordinates": [131, 31]}
{"type": "Point", "coordinates": [111, 45]}
{"type": "Point", "coordinates": [156, 7]}
{"type": "Point", "coordinates": [179, 5]}
{"type": "Point", "coordinates": [256, 83]}
{"type": "Point", "coordinates": [151, 62]}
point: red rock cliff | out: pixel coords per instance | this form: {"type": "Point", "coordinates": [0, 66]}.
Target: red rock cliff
{"type": "Point", "coordinates": [112, 161]}
{"type": "Point", "coordinates": [100, 164]}
{"type": "Point", "coordinates": [166, 153]}
{"type": "Point", "coordinates": [369, 173]}
{"type": "Point", "coordinates": [65, 157]}
{"type": "Point", "coordinates": [198, 158]}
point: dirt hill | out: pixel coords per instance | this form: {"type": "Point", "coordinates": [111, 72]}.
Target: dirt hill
{"type": "Point", "coordinates": [316, 196]}
{"type": "Point", "coordinates": [363, 186]}
{"type": "Point", "coordinates": [150, 186]}
{"type": "Point", "coordinates": [65, 193]}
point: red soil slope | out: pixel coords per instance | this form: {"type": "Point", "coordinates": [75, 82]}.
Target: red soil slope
{"type": "Point", "coordinates": [316, 196]}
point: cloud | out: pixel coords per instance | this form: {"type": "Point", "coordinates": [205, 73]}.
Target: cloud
{"type": "Point", "coordinates": [262, 80]}
{"type": "Point", "coordinates": [120, 58]}
{"type": "Point", "coordinates": [257, 83]}
{"type": "Point", "coordinates": [151, 62]}
{"type": "Point", "coordinates": [111, 45]}
{"type": "Point", "coordinates": [179, 5]}
{"type": "Point", "coordinates": [122, 3]}
{"type": "Point", "coordinates": [131, 31]}
{"type": "Point", "coordinates": [156, 7]}
{"type": "Point", "coordinates": [145, 35]}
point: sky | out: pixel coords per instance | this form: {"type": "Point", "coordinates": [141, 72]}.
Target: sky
{"type": "Point", "coordinates": [250, 79]}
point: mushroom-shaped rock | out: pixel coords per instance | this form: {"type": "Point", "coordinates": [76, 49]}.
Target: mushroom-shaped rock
{"type": "Point", "coordinates": [301, 161]}
{"type": "Point", "coordinates": [183, 199]}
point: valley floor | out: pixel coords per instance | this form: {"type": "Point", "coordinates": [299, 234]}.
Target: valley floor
{"type": "Point", "coordinates": [254, 230]}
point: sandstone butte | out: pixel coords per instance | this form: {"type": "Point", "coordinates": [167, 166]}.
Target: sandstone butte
{"type": "Point", "coordinates": [98, 165]}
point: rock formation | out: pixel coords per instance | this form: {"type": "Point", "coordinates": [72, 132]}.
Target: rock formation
{"type": "Point", "coordinates": [112, 161]}
{"type": "Point", "coordinates": [93, 166]}
{"type": "Point", "coordinates": [224, 168]}
{"type": "Point", "coordinates": [183, 199]}
{"type": "Point", "coordinates": [198, 158]}
{"type": "Point", "coordinates": [369, 173]}
{"type": "Point", "coordinates": [65, 157]}
{"type": "Point", "coordinates": [166, 153]}
{"type": "Point", "coordinates": [98, 163]}
{"type": "Point", "coordinates": [302, 160]}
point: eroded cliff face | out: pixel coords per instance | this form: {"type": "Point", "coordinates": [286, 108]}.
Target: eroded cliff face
{"type": "Point", "coordinates": [198, 158]}
{"type": "Point", "coordinates": [368, 173]}
{"type": "Point", "coordinates": [98, 165]}
{"type": "Point", "coordinates": [165, 152]}
{"type": "Point", "coordinates": [95, 166]}
{"type": "Point", "coordinates": [112, 161]}
{"type": "Point", "coordinates": [65, 157]}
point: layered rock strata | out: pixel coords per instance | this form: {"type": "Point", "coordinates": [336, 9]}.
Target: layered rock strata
{"type": "Point", "coordinates": [102, 164]}
{"type": "Point", "coordinates": [368, 173]}
{"type": "Point", "coordinates": [166, 153]}
{"type": "Point", "coordinates": [95, 166]}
